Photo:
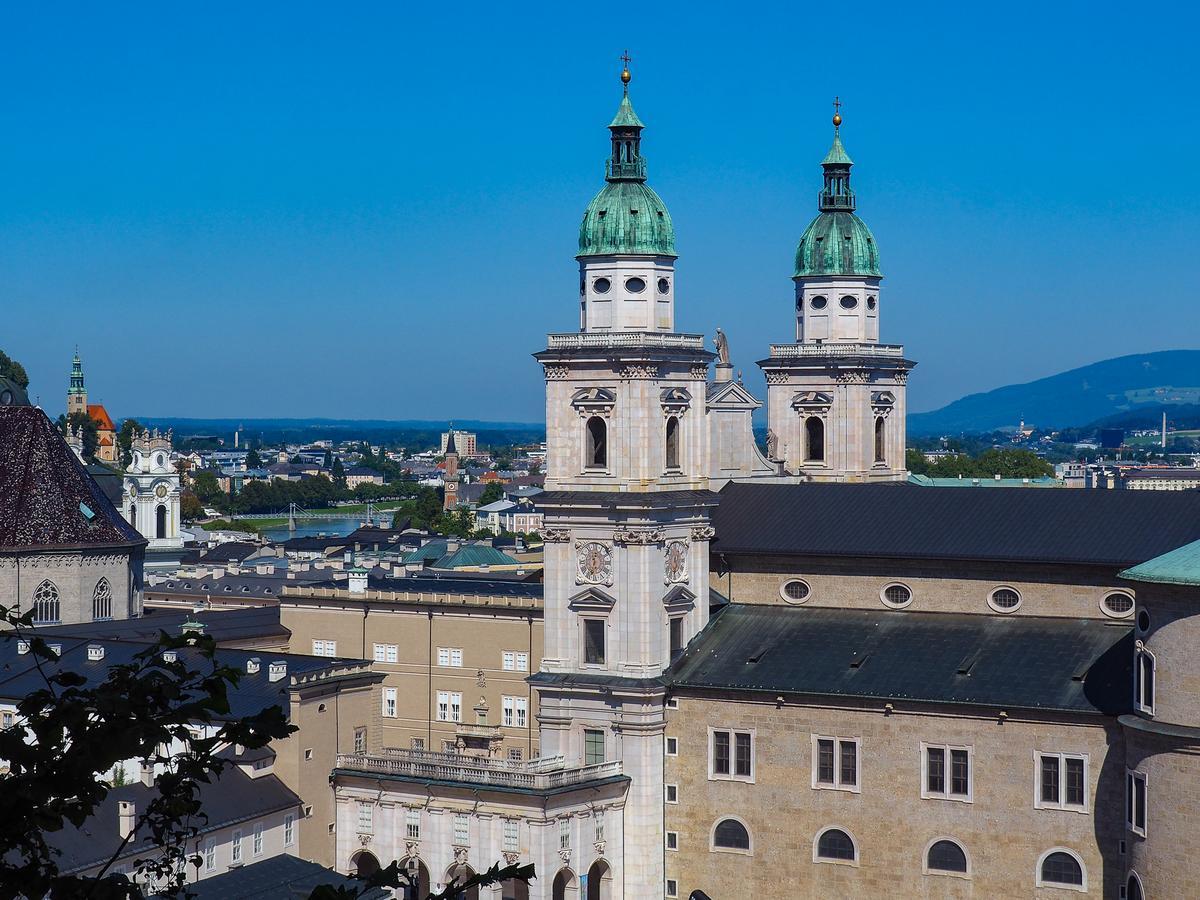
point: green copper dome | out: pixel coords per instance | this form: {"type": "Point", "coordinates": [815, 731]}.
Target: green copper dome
{"type": "Point", "coordinates": [837, 243]}
{"type": "Point", "coordinates": [626, 217]}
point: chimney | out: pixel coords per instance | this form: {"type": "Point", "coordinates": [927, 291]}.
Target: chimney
{"type": "Point", "coordinates": [277, 671]}
{"type": "Point", "coordinates": [252, 666]}
{"type": "Point", "coordinates": [147, 775]}
{"type": "Point", "coordinates": [357, 580]}
{"type": "Point", "coordinates": [95, 652]}
{"type": "Point", "coordinates": [126, 816]}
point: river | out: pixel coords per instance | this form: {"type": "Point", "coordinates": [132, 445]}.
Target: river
{"type": "Point", "coordinates": [315, 527]}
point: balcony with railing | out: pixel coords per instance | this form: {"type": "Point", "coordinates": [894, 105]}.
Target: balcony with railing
{"type": "Point", "coordinates": [604, 340]}
{"type": "Point", "coordinates": [833, 200]}
{"type": "Point", "coordinates": [535, 774]}
{"type": "Point", "coordinates": [828, 349]}
{"type": "Point", "coordinates": [635, 168]}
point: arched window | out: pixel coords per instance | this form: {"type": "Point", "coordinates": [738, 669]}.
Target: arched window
{"type": "Point", "coordinates": [597, 444]}
{"type": "Point", "coordinates": [1133, 887]}
{"type": "Point", "coordinates": [814, 439]}
{"type": "Point", "coordinates": [880, 440]}
{"type": "Point", "coordinates": [730, 834]}
{"type": "Point", "coordinates": [946, 856]}
{"type": "Point", "coordinates": [132, 514]}
{"type": "Point", "coordinates": [46, 607]}
{"type": "Point", "coordinates": [102, 600]}
{"type": "Point", "coordinates": [835, 844]}
{"type": "Point", "coordinates": [1060, 868]}
{"type": "Point", "coordinates": [160, 522]}
{"type": "Point", "coordinates": [672, 442]}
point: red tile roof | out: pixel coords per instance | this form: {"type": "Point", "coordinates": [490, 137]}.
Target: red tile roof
{"type": "Point", "coordinates": [101, 417]}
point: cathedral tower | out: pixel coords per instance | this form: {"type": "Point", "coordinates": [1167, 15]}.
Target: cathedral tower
{"type": "Point", "coordinates": [836, 396]}
{"type": "Point", "coordinates": [627, 501]}
{"type": "Point", "coordinates": [76, 393]}
{"type": "Point", "coordinates": [450, 477]}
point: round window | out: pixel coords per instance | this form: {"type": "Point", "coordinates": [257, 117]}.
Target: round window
{"type": "Point", "coordinates": [795, 591]}
{"type": "Point", "coordinates": [1118, 604]}
{"type": "Point", "coordinates": [663, 285]}
{"type": "Point", "coordinates": [897, 595]}
{"type": "Point", "coordinates": [601, 285]}
{"type": "Point", "coordinates": [1143, 621]}
{"type": "Point", "coordinates": [849, 302]}
{"type": "Point", "coordinates": [871, 303]}
{"type": "Point", "coordinates": [1004, 599]}
{"type": "Point", "coordinates": [635, 285]}
{"type": "Point", "coordinates": [818, 302]}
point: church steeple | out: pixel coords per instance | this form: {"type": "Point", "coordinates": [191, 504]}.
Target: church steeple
{"type": "Point", "coordinates": [626, 162]}
{"type": "Point", "coordinates": [76, 393]}
{"type": "Point", "coordinates": [836, 194]}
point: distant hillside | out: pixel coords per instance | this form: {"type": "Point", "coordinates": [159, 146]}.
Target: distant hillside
{"type": "Point", "coordinates": [1127, 383]}
{"type": "Point", "coordinates": [1180, 416]}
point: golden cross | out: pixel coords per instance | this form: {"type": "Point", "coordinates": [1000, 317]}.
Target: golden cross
{"type": "Point", "coordinates": [837, 105]}
{"type": "Point", "coordinates": [625, 58]}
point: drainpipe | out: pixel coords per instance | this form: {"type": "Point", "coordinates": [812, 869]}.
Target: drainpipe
{"type": "Point", "coordinates": [529, 690]}
{"type": "Point", "coordinates": [429, 678]}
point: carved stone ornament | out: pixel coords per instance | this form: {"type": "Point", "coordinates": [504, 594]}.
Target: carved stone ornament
{"type": "Point", "coordinates": [638, 536]}
{"type": "Point", "coordinates": [565, 856]}
{"type": "Point", "coordinates": [511, 857]}
{"type": "Point", "coordinates": [901, 377]}
{"type": "Point", "coordinates": [853, 377]}
{"type": "Point", "coordinates": [703, 532]}
{"type": "Point", "coordinates": [675, 562]}
{"type": "Point", "coordinates": [631, 373]}
{"type": "Point", "coordinates": [595, 563]}
{"type": "Point", "coordinates": [556, 535]}
{"type": "Point", "coordinates": [777, 378]}
{"type": "Point", "coordinates": [699, 372]}
{"type": "Point", "coordinates": [599, 848]}
{"type": "Point", "coordinates": [365, 839]}
{"type": "Point", "coordinates": [460, 855]}
{"type": "Point", "coordinates": [412, 849]}
{"type": "Point", "coordinates": [557, 373]}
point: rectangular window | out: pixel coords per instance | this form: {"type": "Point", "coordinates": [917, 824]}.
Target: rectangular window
{"type": "Point", "coordinates": [672, 793]}
{"type": "Point", "coordinates": [509, 661]}
{"type": "Point", "coordinates": [676, 637]}
{"type": "Point", "coordinates": [289, 830]}
{"type": "Point", "coordinates": [835, 763]}
{"type": "Point", "coordinates": [258, 839]}
{"type": "Point", "coordinates": [514, 711]}
{"type": "Point", "coordinates": [564, 834]}
{"type": "Point", "coordinates": [516, 754]}
{"type": "Point", "coordinates": [593, 642]}
{"type": "Point", "coordinates": [1062, 781]}
{"type": "Point", "coordinates": [593, 746]}
{"type": "Point", "coordinates": [947, 773]}
{"type": "Point", "coordinates": [6, 719]}
{"type": "Point", "coordinates": [449, 706]}
{"type": "Point", "coordinates": [1143, 691]}
{"type": "Point", "coordinates": [417, 743]}
{"type": "Point", "coordinates": [1135, 802]}
{"type": "Point", "coordinates": [455, 707]}
{"type": "Point", "coordinates": [360, 740]}
{"type": "Point", "coordinates": [462, 829]}
{"type": "Point", "coordinates": [387, 653]}
{"type": "Point", "coordinates": [671, 746]}
{"type": "Point", "coordinates": [210, 855]}
{"type": "Point", "coordinates": [672, 840]}
{"type": "Point", "coordinates": [512, 842]}
{"type": "Point", "coordinates": [731, 755]}
{"type": "Point", "coordinates": [389, 702]}
{"type": "Point", "coordinates": [522, 662]}
{"type": "Point", "coordinates": [672, 887]}
{"type": "Point", "coordinates": [324, 648]}
{"type": "Point", "coordinates": [412, 824]}
{"type": "Point", "coordinates": [450, 656]}
{"type": "Point", "coordinates": [235, 847]}
{"type": "Point", "coordinates": [366, 817]}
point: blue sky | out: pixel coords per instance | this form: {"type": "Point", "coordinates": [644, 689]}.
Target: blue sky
{"type": "Point", "coordinates": [371, 211]}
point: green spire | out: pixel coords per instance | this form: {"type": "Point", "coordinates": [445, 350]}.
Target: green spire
{"type": "Point", "coordinates": [837, 155]}
{"type": "Point", "coordinates": [626, 117]}
{"type": "Point", "coordinates": [76, 375]}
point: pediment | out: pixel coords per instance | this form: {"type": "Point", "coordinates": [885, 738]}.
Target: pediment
{"type": "Point", "coordinates": [679, 597]}
{"type": "Point", "coordinates": [882, 398]}
{"type": "Point", "coordinates": [812, 400]}
{"type": "Point", "coordinates": [592, 598]}
{"type": "Point", "coordinates": [730, 394]}
{"type": "Point", "coordinates": [594, 398]}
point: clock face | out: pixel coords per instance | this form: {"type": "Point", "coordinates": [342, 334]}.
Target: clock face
{"type": "Point", "coordinates": [595, 562]}
{"type": "Point", "coordinates": [161, 490]}
{"type": "Point", "coordinates": [133, 490]}
{"type": "Point", "coordinates": [676, 562]}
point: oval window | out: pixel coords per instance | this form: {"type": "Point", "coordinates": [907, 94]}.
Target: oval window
{"type": "Point", "coordinates": [897, 595]}
{"type": "Point", "coordinates": [1118, 604]}
{"type": "Point", "coordinates": [1004, 599]}
{"type": "Point", "coordinates": [601, 285]}
{"type": "Point", "coordinates": [635, 285]}
{"type": "Point", "coordinates": [663, 285]}
{"type": "Point", "coordinates": [849, 302]}
{"type": "Point", "coordinates": [795, 591]}
{"type": "Point", "coordinates": [1143, 621]}
{"type": "Point", "coordinates": [871, 303]}
{"type": "Point", "coordinates": [817, 302]}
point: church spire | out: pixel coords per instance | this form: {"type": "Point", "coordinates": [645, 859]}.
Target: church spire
{"type": "Point", "coordinates": [836, 194]}
{"type": "Point", "coordinates": [626, 162]}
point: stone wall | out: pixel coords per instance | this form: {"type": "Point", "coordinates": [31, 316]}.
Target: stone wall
{"type": "Point", "coordinates": [75, 574]}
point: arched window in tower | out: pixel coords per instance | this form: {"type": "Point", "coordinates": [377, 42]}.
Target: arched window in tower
{"type": "Point", "coordinates": [132, 514]}
{"type": "Point", "coordinates": [102, 600]}
{"type": "Point", "coordinates": [46, 607]}
{"type": "Point", "coordinates": [880, 440]}
{"type": "Point", "coordinates": [814, 439]}
{"type": "Point", "coordinates": [596, 451]}
{"type": "Point", "coordinates": [160, 522]}
{"type": "Point", "coordinates": [672, 442]}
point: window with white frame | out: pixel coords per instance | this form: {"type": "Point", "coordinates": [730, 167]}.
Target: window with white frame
{"type": "Point", "coordinates": [515, 711]}
{"type": "Point", "coordinates": [412, 824]}
{"type": "Point", "coordinates": [835, 763]}
{"type": "Point", "coordinates": [730, 754]}
{"type": "Point", "coordinates": [289, 830]}
{"type": "Point", "coordinates": [450, 656]}
{"type": "Point", "coordinates": [946, 772]}
{"type": "Point", "coordinates": [1143, 678]}
{"type": "Point", "coordinates": [324, 648]}
{"type": "Point", "coordinates": [512, 840]}
{"type": "Point", "coordinates": [1061, 781]}
{"type": "Point", "coordinates": [462, 829]}
{"type": "Point", "coordinates": [1135, 802]}
{"type": "Point", "coordinates": [671, 792]}
{"type": "Point", "coordinates": [594, 752]}
{"type": "Point", "coordinates": [210, 855]}
{"type": "Point", "coordinates": [564, 834]}
{"type": "Point", "coordinates": [235, 847]}
{"type": "Point", "coordinates": [672, 887]}
{"type": "Point", "coordinates": [387, 653]}
{"type": "Point", "coordinates": [515, 661]}
{"type": "Point", "coordinates": [389, 703]}
{"type": "Point", "coordinates": [366, 816]}
{"type": "Point", "coordinates": [449, 706]}
{"type": "Point", "coordinates": [360, 740]}
{"type": "Point", "coordinates": [672, 840]}
{"type": "Point", "coordinates": [593, 642]}
{"type": "Point", "coordinates": [671, 746]}
{"type": "Point", "coordinates": [258, 839]}
{"type": "Point", "coordinates": [516, 754]}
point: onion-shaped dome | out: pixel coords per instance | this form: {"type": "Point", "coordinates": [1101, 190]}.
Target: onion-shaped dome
{"type": "Point", "coordinates": [837, 243]}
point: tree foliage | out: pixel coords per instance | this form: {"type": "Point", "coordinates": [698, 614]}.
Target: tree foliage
{"type": "Point", "coordinates": [253, 460]}
{"type": "Point", "coordinates": [1006, 463]}
{"type": "Point", "coordinates": [13, 370]}
{"type": "Point", "coordinates": [492, 493]}
{"type": "Point", "coordinates": [190, 507]}
{"type": "Point", "coordinates": [129, 429]}
{"type": "Point", "coordinates": [84, 423]}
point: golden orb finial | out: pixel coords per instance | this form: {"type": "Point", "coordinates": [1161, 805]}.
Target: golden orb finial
{"type": "Point", "coordinates": [625, 76]}
{"type": "Point", "coordinates": [837, 112]}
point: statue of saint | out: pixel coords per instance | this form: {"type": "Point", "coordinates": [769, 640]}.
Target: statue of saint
{"type": "Point", "coordinates": [772, 444]}
{"type": "Point", "coordinates": [722, 344]}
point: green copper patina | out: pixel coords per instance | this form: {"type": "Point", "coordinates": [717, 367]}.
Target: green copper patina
{"type": "Point", "coordinates": [837, 242]}
{"type": "Point", "coordinates": [627, 216]}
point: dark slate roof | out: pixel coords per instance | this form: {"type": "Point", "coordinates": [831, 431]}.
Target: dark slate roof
{"type": "Point", "coordinates": [207, 587]}
{"type": "Point", "coordinates": [280, 876]}
{"type": "Point", "coordinates": [1013, 662]}
{"type": "Point", "coordinates": [44, 490]}
{"type": "Point", "coordinates": [1091, 527]}
{"type": "Point", "coordinates": [221, 625]}
{"type": "Point", "coordinates": [458, 584]}
{"type": "Point", "coordinates": [230, 551]}
{"type": "Point", "coordinates": [232, 798]}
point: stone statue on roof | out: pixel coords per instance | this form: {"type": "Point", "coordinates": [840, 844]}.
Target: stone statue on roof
{"type": "Point", "coordinates": [722, 344]}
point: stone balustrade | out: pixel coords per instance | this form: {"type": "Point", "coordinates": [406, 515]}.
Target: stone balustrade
{"type": "Point", "coordinates": [830, 348]}
{"type": "Point", "coordinates": [538, 774]}
{"type": "Point", "coordinates": [600, 340]}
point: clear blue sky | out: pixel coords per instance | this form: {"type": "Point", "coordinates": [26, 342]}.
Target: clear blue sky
{"type": "Point", "coordinates": [371, 211]}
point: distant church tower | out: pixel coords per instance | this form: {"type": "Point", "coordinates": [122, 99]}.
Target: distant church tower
{"type": "Point", "coordinates": [627, 506]}
{"type": "Point", "coordinates": [151, 500]}
{"type": "Point", "coordinates": [836, 397]}
{"type": "Point", "coordinates": [450, 478]}
{"type": "Point", "coordinates": [76, 393]}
